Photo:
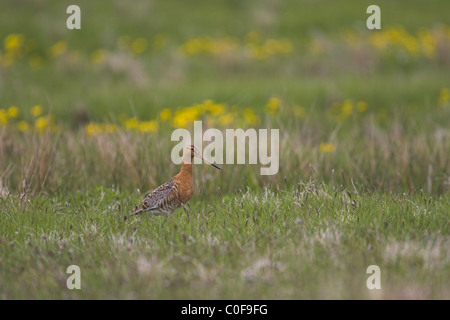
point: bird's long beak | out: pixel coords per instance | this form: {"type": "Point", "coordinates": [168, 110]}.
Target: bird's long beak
{"type": "Point", "coordinates": [216, 166]}
{"type": "Point", "coordinates": [209, 162]}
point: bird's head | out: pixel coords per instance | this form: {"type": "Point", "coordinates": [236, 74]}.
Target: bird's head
{"type": "Point", "coordinates": [192, 151]}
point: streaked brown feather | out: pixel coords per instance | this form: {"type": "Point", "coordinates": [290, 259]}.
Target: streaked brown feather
{"type": "Point", "coordinates": [175, 192]}
{"type": "Point", "coordinates": [170, 195]}
{"type": "Point", "coordinates": [158, 198]}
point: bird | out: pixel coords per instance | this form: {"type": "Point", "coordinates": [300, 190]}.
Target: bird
{"type": "Point", "coordinates": [176, 192]}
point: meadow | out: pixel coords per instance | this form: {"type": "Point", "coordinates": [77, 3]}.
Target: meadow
{"type": "Point", "coordinates": [86, 118]}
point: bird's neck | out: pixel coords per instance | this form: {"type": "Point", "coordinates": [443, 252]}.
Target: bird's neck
{"type": "Point", "coordinates": [186, 167]}
{"type": "Point", "coordinates": [185, 182]}
{"type": "Point", "coordinates": [186, 170]}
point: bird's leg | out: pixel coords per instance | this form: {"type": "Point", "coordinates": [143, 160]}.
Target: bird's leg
{"type": "Point", "coordinates": [186, 210]}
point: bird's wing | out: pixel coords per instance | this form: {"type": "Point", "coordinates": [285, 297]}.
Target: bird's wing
{"type": "Point", "coordinates": [158, 198]}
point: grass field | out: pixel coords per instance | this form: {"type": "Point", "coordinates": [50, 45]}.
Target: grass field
{"type": "Point", "coordinates": [86, 118]}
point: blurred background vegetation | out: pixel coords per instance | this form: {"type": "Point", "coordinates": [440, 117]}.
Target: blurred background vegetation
{"type": "Point", "coordinates": [104, 99]}
{"type": "Point", "coordinates": [86, 118]}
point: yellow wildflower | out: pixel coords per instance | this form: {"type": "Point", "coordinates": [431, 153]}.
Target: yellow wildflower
{"type": "Point", "coordinates": [58, 49]}
{"type": "Point", "coordinates": [428, 43]}
{"type": "Point", "coordinates": [347, 108]}
{"type": "Point", "coordinates": [274, 46]}
{"type": "Point", "coordinates": [411, 45]}
{"type": "Point", "coordinates": [444, 98]}
{"type": "Point", "coordinates": [13, 41]}
{"type": "Point", "coordinates": [13, 112]}
{"type": "Point", "coordinates": [165, 114]}
{"type": "Point", "coordinates": [178, 121]}
{"type": "Point", "coordinates": [213, 108]}
{"type": "Point", "coordinates": [221, 46]}
{"type": "Point", "coordinates": [148, 126]}
{"type": "Point", "coordinates": [4, 119]}
{"type": "Point", "coordinates": [131, 124]}
{"type": "Point", "coordinates": [361, 106]}
{"type": "Point", "coordinates": [270, 46]}
{"type": "Point", "coordinates": [253, 37]}
{"type": "Point", "coordinates": [209, 45]}
{"type": "Point", "coordinates": [193, 46]}
{"type": "Point", "coordinates": [326, 147]}
{"type": "Point", "coordinates": [36, 111]}
{"type": "Point", "coordinates": [335, 108]}
{"type": "Point", "coordinates": [98, 56]}
{"type": "Point", "coordinates": [44, 123]}
{"type": "Point", "coordinates": [256, 52]}
{"type": "Point", "coordinates": [273, 105]}
{"type": "Point", "coordinates": [23, 126]}
{"type": "Point", "coordinates": [226, 119]}
{"type": "Point", "coordinates": [250, 117]}
{"type": "Point", "coordinates": [92, 129]}
{"type": "Point", "coordinates": [379, 40]}
{"type": "Point", "coordinates": [216, 109]}
{"type": "Point", "coordinates": [185, 116]}
{"type": "Point", "coordinates": [109, 127]}
{"type": "Point", "coordinates": [139, 45]}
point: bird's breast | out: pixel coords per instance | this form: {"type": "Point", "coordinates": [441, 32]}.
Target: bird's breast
{"type": "Point", "coordinates": [185, 183]}
{"type": "Point", "coordinates": [187, 190]}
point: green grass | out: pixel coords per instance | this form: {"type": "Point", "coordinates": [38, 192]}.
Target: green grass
{"type": "Point", "coordinates": [306, 242]}
{"type": "Point", "coordinates": [309, 232]}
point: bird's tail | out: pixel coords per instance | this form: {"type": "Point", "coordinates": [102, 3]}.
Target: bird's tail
{"type": "Point", "coordinates": [153, 211]}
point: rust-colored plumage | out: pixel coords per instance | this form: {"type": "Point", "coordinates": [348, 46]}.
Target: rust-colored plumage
{"type": "Point", "coordinates": [175, 192]}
